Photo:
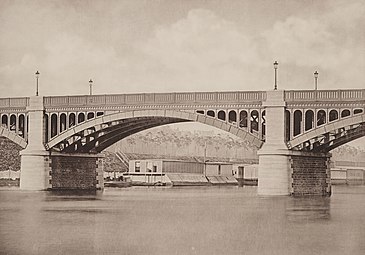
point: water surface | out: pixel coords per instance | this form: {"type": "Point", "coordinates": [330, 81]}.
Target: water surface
{"type": "Point", "coordinates": [205, 220]}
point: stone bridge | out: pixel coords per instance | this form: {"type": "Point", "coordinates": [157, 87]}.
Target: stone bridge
{"type": "Point", "coordinates": [293, 130]}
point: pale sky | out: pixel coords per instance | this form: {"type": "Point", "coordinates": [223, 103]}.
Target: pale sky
{"type": "Point", "coordinates": [136, 46]}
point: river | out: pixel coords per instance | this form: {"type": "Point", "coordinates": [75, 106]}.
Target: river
{"type": "Point", "coordinates": [162, 220]}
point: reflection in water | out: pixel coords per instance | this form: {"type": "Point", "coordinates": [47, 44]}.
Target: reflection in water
{"type": "Point", "coordinates": [308, 209]}
{"type": "Point", "coordinates": [57, 195]}
{"type": "Point", "coordinates": [205, 220]}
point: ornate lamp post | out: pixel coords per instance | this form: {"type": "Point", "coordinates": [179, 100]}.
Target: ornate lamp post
{"type": "Point", "coordinates": [276, 75]}
{"type": "Point", "coordinates": [91, 86]}
{"type": "Point", "coordinates": [315, 80]}
{"type": "Point", "coordinates": [37, 77]}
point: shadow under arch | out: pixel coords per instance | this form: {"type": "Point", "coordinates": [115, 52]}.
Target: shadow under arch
{"type": "Point", "coordinates": [13, 137]}
{"type": "Point", "coordinates": [97, 134]}
{"type": "Point", "coordinates": [330, 136]}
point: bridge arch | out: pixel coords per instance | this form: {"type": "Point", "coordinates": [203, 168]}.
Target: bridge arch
{"type": "Point", "coordinates": [96, 134]}
{"type": "Point", "coordinates": [12, 136]}
{"type": "Point", "coordinates": [330, 135]}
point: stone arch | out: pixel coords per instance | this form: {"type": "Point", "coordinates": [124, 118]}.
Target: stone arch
{"type": "Point", "coordinates": [211, 113]}
{"type": "Point", "coordinates": [90, 115]}
{"type": "Point", "coordinates": [4, 120]}
{"type": "Point", "coordinates": [80, 117]}
{"type": "Point", "coordinates": [309, 120]}
{"type": "Point", "coordinates": [54, 125]}
{"type": "Point", "coordinates": [12, 122]}
{"type": "Point", "coordinates": [345, 113]}
{"type": "Point", "coordinates": [358, 111]}
{"type": "Point", "coordinates": [137, 123]}
{"type": "Point", "coordinates": [255, 120]}
{"type": "Point", "coordinates": [71, 119]}
{"type": "Point", "coordinates": [298, 118]}
{"type": "Point", "coordinates": [222, 115]}
{"type": "Point", "coordinates": [63, 122]}
{"type": "Point", "coordinates": [232, 116]}
{"type": "Point", "coordinates": [321, 117]}
{"type": "Point", "coordinates": [21, 125]}
{"type": "Point", "coordinates": [333, 115]}
{"type": "Point", "coordinates": [243, 118]}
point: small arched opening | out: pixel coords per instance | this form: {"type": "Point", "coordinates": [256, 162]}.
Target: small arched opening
{"type": "Point", "coordinates": [309, 120]}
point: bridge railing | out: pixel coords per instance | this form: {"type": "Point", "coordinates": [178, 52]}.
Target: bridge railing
{"type": "Point", "coordinates": [156, 98]}
{"type": "Point", "coordinates": [324, 95]}
{"type": "Point", "coordinates": [14, 102]}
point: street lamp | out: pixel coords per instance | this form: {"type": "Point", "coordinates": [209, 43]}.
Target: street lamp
{"type": "Point", "coordinates": [37, 77]}
{"type": "Point", "coordinates": [276, 75]}
{"type": "Point", "coordinates": [315, 80]}
{"type": "Point", "coordinates": [91, 86]}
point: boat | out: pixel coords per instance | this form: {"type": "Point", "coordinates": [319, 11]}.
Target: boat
{"type": "Point", "coordinates": [118, 184]}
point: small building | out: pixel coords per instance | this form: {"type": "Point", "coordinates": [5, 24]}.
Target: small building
{"type": "Point", "coordinates": [347, 175]}
{"type": "Point", "coordinates": [218, 169]}
{"type": "Point", "coordinates": [338, 175]}
{"type": "Point", "coordinates": [152, 171]}
{"type": "Point", "coordinates": [355, 176]}
{"type": "Point", "coordinates": [177, 172]}
{"type": "Point", "coordinates": [246, 174]}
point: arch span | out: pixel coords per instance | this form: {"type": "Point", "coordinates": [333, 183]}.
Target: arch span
{"type": "Point", "coordinates": [12, 136]}
{"type": "Point", "coordinates": [331, 135]}
{"type": "Point", "coordinates": [95, 135]}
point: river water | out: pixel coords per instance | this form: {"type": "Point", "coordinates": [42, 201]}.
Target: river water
{"type": "Point", "coordinates": [204, 220]}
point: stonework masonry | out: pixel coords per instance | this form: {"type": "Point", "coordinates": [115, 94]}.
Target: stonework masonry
{"type": "Point", "coordinates": [310, 174]}
{"type": "Point", "coordinates": [76, 172]}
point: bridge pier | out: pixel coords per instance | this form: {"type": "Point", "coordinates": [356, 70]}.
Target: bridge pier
{"type": "Point", "coordinates": [34, 166]}
{"type": "Point", "coordinates": [287, 172]}
{"type": "Point", "coordinates": [274, 154]}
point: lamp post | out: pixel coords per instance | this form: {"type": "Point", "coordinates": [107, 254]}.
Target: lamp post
{"type": "Point", "coordinates": [276, 75]}
{"type": "Point", "coordinates": [37, 77]}
{"type": "Point", "coordinates": [315, 80]}
{"type": "Point", "coordinates": [91, 86]}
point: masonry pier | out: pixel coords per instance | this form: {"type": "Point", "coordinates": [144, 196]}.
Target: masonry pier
{"type": "Point", "coordinates": [289, 172]}
{"type": "Point", "coordinates": [34, 167]}
{"type": "Point", "coordinates": [76, 171]}
{"type": "Point", "coordinates": [42, 169]}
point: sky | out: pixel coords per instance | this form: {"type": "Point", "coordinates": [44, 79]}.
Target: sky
{"type": "Point", "coordinates": [138, 46]}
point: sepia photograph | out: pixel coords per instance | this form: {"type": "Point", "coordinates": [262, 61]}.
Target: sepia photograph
{"type": "Point", "coordinates": [182, 127]}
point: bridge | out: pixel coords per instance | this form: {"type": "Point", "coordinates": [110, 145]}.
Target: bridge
{"type": "Point", "coordinates": [62, 136]}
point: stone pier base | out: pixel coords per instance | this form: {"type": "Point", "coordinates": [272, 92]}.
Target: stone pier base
{"type": "Point", "coordinates": [310, 174]}
{"type": "Point", "coordinates": [294, 173]}
{"type": "Point", "coordinates": [76, 171]}
{"type": "Point", "coordinates": [34, 170]}
{"type": "Point", "coordinates": [274, 174]}
{"type": "Point", "coordinates": [41, 170]}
